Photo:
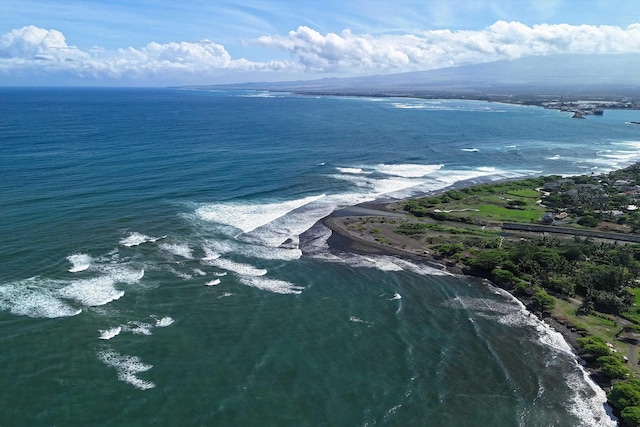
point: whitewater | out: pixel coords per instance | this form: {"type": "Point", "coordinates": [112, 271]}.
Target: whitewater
{"type": "Point", "coordinates": [164, 259]}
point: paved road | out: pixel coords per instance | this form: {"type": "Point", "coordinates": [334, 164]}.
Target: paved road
{"type": "Point", "coordinates": [572, 231]}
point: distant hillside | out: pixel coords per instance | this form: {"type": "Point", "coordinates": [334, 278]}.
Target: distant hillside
{"type": "Point", "coordinates": [557, 75]}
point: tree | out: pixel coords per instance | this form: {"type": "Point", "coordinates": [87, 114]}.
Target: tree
{"type": "Point", "coordinates": [593, 346]}
{"type": "Point", "coordinates": [588, 221]}
{"type": "Point", "coordinates": [543, 300]}
{"type": "Point", "coordinates": [448, 249]}
{"type": "Point", "coordinates": [612, 367]}
{"type": "Point", "coordinates": [503, 278]}
{"type": "Point", "coordinates": [487, 260]}
{"type": "Point", "coordinates": [631, 415]}
{"type": "Point", "coordinates": [625, 394]}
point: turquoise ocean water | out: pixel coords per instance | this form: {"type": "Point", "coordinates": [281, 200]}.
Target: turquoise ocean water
{"type": "Point", "coordinates": [161, 262]}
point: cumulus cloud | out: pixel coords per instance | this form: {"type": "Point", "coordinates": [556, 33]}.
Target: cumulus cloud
{"type": "Point", "coordinates": [33, 51]}
{"type": "Point", "coordinates": [37, 43]}
{"type": "Point", "coordinates": [36, 50]}
{"type": "Point", "coordinates": [441, 48]}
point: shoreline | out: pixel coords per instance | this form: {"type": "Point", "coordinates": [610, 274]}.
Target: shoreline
{"type": "Point", "coordinates": [344, 239]}
{"type": "Point", "coordinates": [347, 239]}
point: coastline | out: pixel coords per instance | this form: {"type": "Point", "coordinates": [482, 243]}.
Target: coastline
{"type": "Point", "coordinates": [346, 238]}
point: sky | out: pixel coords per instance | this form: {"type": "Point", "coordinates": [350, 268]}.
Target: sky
{"type": "Point", "coordinates": [196, 42]}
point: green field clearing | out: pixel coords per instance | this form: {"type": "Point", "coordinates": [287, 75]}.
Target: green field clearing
{"type": "Point", "coordinates": [499, 213]}
{"type": "Point", "coordinates": [604, 328]}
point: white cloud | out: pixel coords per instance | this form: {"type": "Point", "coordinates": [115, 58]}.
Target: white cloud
{"type": "Point", "coordinates": [440, 48]}
{"type": "Point", "coordinates": [32, 51]}
{"type": "Point", "coordinates": [38, 44]}
{"type": "Point", "coordinates": [46, 52]}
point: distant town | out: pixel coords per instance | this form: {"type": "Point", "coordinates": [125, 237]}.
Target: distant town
{"type": "Point", "coordinates": [580, 107]}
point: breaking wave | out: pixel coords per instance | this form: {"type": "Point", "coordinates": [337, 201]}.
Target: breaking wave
{"type": "Point", "coordinates": [127, 367]}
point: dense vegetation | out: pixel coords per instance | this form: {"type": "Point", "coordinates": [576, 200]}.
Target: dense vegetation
{"type": "Point", "coordinates": [587, 201]}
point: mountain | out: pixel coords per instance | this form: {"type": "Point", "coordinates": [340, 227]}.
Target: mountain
{"type": "Point", "coordinates": [554, 75]}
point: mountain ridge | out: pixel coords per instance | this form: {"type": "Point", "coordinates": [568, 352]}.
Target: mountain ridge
{"type": "Point", "coordinates": [603, 75]}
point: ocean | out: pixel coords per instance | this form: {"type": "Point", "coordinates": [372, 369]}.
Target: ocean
{"type": "Point", "coordinates": [163, 262]}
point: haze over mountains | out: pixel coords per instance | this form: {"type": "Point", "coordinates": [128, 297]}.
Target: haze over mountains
{"type": "Point", "coordinates": [603, 75]}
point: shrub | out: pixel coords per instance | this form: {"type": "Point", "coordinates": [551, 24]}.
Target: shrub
{"type": "Point", "coordinates": [448, 249]}
{"type": "Point", "coordinates": [543, 300]}
{"type": "Point", "coordinates": [631, 415]}
{"type": "Point", "coordinates": [588, 221]}
{"type": "Point", "coordinates": [439, 216]}
{"type": "Point", "coordinates": [625, 394]}
{"type": "Point", "coordinates": [503, 278]}
{"type": "Point", "coordinates": [593, 346]}
{"type": "Point", "coordinates": [612, 367]}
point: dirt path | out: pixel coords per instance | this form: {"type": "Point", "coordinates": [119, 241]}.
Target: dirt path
{"type": "Point", "coordinates": [633, 360]}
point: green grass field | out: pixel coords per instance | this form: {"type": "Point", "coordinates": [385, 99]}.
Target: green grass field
{"type": "Point", "coordinates": [495, 207]}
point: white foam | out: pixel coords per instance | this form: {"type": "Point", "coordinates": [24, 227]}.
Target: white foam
{"type": "Point", "coordinates": [179, 249]}
{"type": "Point", "coordinates": [213, 249]}
{"type": "Point", "coordinates": [122, 274]}
{"type": "Point", "coordinates": [237, 267]}
{"type": "Point", "coordinates": [396, 296]}
{"type": "Point", "coordinates": [35, 297]}
{"type": "Point", "coordinates": [555, 157]}
{"type": "Point", "coordinates": [355, 171]}
{"type": "Point", "coordinates": [107, 334]}
{"type": "Point", "coordinates": [285, 230]}
{"type": "Point", "coordinates": [225, 295]}
{"type": "Point", "coordinates": [199, 272]}
{"type": "Point", "coordinates": [249, 216]}
{"type": "Point", "coordinates": [92, 292]}
{"type": "Point", "coordinates": [407, 106]}
{"type": "Point", "coordinates": [589, 403]}
{"type": "Point", "coordinates": [383, 263]}
{"type": "Point", "coordinates": [588, 400]}
{"type": "Point", "coordinates": [355, 319]}
{"type": "Point", "coordinates": [315, 243]}
{"type": "Point", "coordinates": [127, 368]}
{"type": "Point", "coordinates": [214, 282]}
{"type": "Point", "coordinates": [209, 253]}
{"type": "Point", "coordinates": [383, 187]}
{"type": "Point", "coordinates": [138, 328]}
{"type": "Point", "coordinates": [271, 285]}
{"type": "Point", "coordinates": [422, 269]}
{"type": "Point", "coordinates": [547, 335]}
{"type": "Point", "coordinates": [164, 322]}
{"type": "Point", "coordinates": [470, 150]}
{"type": "Point", "coordinates": [180, 274]}
{"type": "Point", "coordinates": [79, 262]}
{"type": "Point", "coordinates": [136, 239]}
{"type": "Point", "coordinates": [369, 188]}
{"type": "Point", "coordinates": [408, 170]}
{"type": "Point", "coordinates": [446, 178]}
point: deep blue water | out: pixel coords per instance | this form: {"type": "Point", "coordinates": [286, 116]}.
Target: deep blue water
{"type": "Point", "coordinates": [118, 206]}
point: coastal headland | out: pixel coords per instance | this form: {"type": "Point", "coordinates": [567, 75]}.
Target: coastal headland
{"type": "Point", "coordinates": [568, 248]}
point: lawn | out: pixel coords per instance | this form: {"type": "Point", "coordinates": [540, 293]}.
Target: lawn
{"type": "Point", "coordinates": [604, 328]}
{"type": "Point", "coordinates": [496, 206]}
{"type": "Point", "coordinates": [500, 213]}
